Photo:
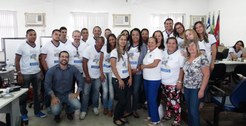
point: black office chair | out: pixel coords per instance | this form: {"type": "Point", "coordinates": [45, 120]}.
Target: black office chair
{"type": "Point", "coordinates": [219, 56]}
{"type": "Point", "coordinates": [239, 69]}
{"type": "Point", "coordinates": [235, 102]}
{"type": "Point", "coordinates": [225, 53]}
{"type": "Point", "coordinates": [217, 77]}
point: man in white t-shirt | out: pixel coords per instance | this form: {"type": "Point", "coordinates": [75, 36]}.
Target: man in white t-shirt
{"type": "Point", "coordinates": [84, 35]}
{"type": "Point", "coordinates": [50, 55]}
{"type": "Point", "coordinates": [96, 33]}
{"type": "Point", "coordinates": [168, 32]}
{"type": "Point", "coordinates": [63, 37]}
{"type": "Point", "coordinates": [91, 69]}
{"type": "Point", "coordinates": [27, 66]}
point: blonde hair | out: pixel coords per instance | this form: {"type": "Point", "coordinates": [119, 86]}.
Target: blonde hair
{"type": "Point", "coordinates": [119, 52]}
{"type": "Point", "coordinates": [186, 40]}
{"type": "Point", "coordinates": [197, 47]}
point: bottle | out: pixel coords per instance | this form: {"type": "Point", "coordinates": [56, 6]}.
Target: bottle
{"type": "Point", "coordinates": [7, 64]}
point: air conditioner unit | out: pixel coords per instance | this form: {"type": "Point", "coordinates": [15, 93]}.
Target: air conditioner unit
{"type": "Point", "coordinates": [121, 20]}
{"type": "Point", "coordinates": [35, 19]}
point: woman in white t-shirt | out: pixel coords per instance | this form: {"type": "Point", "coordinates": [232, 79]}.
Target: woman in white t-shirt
{"type": "Point", "coordinates": [136, 52]}
{"type": "Point", "coordinates": [171, 79]}
{"type": "Point", "coordinates": [152, 79]}
{"type": "Point", "coordinates": [236, 51]}
{"type": "Point", "coordinates": [106, 75]}
{"type": "Point", "coordinates": [178, 32]}
{"type": "Point", "coordinates": [121, 78]}
{"type": "Point", "coordinates": [209, 42]}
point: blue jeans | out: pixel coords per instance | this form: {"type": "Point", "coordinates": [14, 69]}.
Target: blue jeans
{"type": "Point", "coordinates": [151, 90]}
{"type": "Point", "coordinates": [108, 92]}
{"type": "Point", "coordinates": [35, 80]}
{"type": "Point", "coordinates": [72, 105]}
{"type": "Point", "coordinates": [88, 87]}
{"type": "Point", "coordinates": [192, 103]}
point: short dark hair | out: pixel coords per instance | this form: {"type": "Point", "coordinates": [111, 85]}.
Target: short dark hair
{"type": "Point", "coordinates": [100, 37]}
{"type": "Point", "coordinates": [63, 52]}
{"type": "Point", "coordinates": [168, 19]}
{"type": "Point", "coordinates": [63, 28]}
{"type": "Point", "coordinates": [29, 30]}
{"type": "Point", "coordinates": [84, 29]}
{"type": "Point", "coordinates": [55, 31]}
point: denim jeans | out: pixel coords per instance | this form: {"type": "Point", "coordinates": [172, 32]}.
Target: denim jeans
{"type": "Point", "coordinates": [151, 90]}
{"type": "Point", "coordinates": [192, 103]}
{"type": "Point", "coordinates": [137, 81]}
{"type": "Point", "coordinates": [108, 92]}
{"type": "Point", "coordinates": [94, 88]}
{"type": "Point", "coordinates": [122, 101]}
{"type": "Point", "coordinates": [72, 105]}
{"type": "Point", "coordinates": [35, 80]}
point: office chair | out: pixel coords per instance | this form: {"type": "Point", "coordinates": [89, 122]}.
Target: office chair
{"type": "Point", "coordinates": [219, 56]}
{"type": "Point", "coordinates": [225, 53]}
{"type": "Point", "coordinates": [235, 102]}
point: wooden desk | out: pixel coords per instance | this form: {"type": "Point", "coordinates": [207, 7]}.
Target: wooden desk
{"type": "Point", "coordinates": [230, 65]}
{"type": "Point", "coordinates": [11, 106]}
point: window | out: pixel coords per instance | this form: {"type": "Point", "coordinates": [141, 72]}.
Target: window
{"type": "Point", "coordinates": [8, 25]}
{"type": "Point", "coordinates": [89, 20]}
{"type": "Point", "coordinates": [158, 19]}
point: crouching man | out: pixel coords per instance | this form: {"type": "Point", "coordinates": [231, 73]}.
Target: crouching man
{"type": "Point", "coordinates": [59, 85]}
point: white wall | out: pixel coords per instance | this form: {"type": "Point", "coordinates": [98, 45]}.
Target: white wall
{"type": "Point", "coordinates": [232, 19]}
{"type": "Point", "coordinates": [58, 11]}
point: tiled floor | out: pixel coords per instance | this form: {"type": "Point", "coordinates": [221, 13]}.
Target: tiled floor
{"type": "Point", "coordinates": [226, 119]}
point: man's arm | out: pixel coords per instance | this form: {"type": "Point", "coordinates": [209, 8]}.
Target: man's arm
{"type": "Point", "coordinates": [43, 62]}
{"type": "Point", "coordinates": [17, 67]}
{"type": "Point", "coordinates": [85, 68]}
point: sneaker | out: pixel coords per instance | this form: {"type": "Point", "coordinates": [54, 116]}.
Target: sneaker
{"type": "Point", "coordinates": [82, 115]}
{"type": "Point", "coordinates": [40, 115]}
{"type": "Point", "coordinates": [95, 110]}
{"type": "Point", "coordinates": [57, 118]}
{"type": "Point", "coordinates": [24, 117]}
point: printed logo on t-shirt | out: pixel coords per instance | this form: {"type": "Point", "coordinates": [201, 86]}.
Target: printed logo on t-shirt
{"type": "Point", "coordinates": [33, 59]}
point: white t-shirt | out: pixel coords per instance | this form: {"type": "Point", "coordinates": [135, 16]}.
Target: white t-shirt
{"type": "Point", "coordinates": [133, 54]}
{"type": "Point", "coordinates": [93, 57]}
{"type": "Point", "coordinates": [170, 67]}
{"type": "Point", "coordinates": [152, 73]}
{"type": "Point", "coordinates": [208, 46]}
{"type": "Point", "coordinates": [76, 55]}
{"type": "Point", "coordinates": [180, 41]}
{"type": "Point", "coordinates": [232, 50]}
{"type": "Point", "coordinates": [166, 36]}
{"type": "Point", "coordinates": [68, 42]}
{"type": "Point", "coordinates": [121, 65]}
{"type": "Point", "coordinates": [29, 62]}
{"type": "Point", "coordinates": [106, 60]}
{"type": "Point", "coordinates": [91, 41]}
{"type": "Point", "coordinates": [52, 53]}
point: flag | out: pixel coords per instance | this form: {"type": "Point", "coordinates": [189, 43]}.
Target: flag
{"type": "Point", "coordinates": [208, 24]}
{"type": "Point", "coordinates": [217, 31]}
{"type": "Point", "coordinates": [212, 26]}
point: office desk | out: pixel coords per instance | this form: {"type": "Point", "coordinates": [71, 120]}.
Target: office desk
{"type": "Point", "coordinates": [230, 65]}
{"type": "Point", "coordinates": [11, 106]}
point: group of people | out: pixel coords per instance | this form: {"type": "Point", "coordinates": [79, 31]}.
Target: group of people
{"type": "Point", "coordinates": [175, 60]}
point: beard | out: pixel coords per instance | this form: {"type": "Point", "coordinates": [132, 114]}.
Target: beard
{"type": "Point", "coordinates": [64, 62]}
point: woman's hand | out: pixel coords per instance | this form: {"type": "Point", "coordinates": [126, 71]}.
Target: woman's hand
{"type": "Point", "coordinates": [200, 94]}
{"type": "Point", "coordinates": [121, 84]}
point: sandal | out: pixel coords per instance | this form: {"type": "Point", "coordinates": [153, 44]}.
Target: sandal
{"type": "Point", "coordinates": [123, 120]}
{"type": "Point", "coordinates": [118, 123]}
{"type": "Point", "coordinates": [153, 123]}
{"type": "Point", "coordinates": [127, 114]}
{"type": "Point", "coordinates": [147, 119]}
{"type": "Point", "coordinates": [175, 124]}
{"type": "Point", "coordinates": [135, 115]}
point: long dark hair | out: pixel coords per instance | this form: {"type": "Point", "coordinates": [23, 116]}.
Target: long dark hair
{"type": "Point", "coordinates": [140, 39]}
{"type": "Point", "coordinates": [204, 34]}
{"type": "Point", "coordinates": [175, 33]}
{"type": "Point", "coordinates": [162, 40]}
{"type": "Point", "coordinates": [108, 44]}
{"type": "Point", "coordinates": [238, 42]}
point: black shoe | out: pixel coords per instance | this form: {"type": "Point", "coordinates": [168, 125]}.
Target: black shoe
{"type": "Point", "coordinates": [57, 118]}
{"type": "Point", "coordinates": [69, 116]}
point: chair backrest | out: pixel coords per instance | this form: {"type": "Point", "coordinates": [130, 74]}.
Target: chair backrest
{"type": "Point", "coordinates": [225, 53]}
{"type": "Point", "coordinates": [238, 94]}
{"type": "Point", "coordinates": [240, 68]}
{"type": "Point", "coordinates": [218, 72]}
{"type": "Point", "coordinates": [219, 56]}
